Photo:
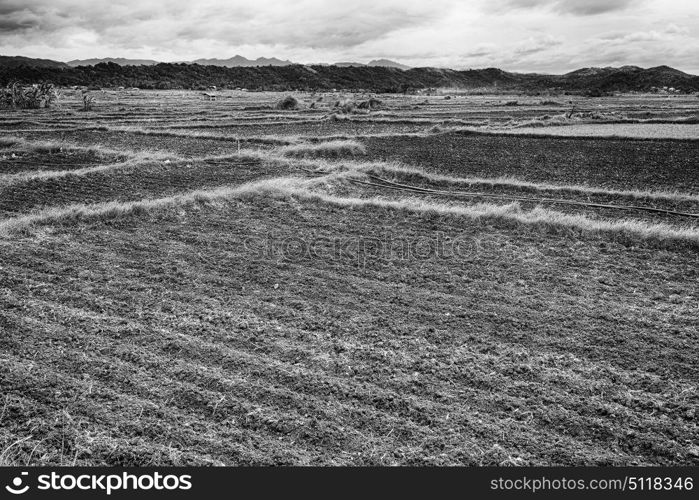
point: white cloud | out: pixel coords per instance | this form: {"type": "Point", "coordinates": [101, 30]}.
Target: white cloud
{"type": "Point", "coordinates": [521, 35]}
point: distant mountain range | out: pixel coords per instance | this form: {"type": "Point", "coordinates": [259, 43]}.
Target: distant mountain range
{"type": "Point", "coordinates": [381, 63]}
{"type": "Point", "coordinates": [116, 60]}
{"type": "Point", "coordinates": [232, 62]}
{"type": "Point", "coordinates": [241, 61]}
{"type": "Point", "coordinates": [387, 63]}
{"type": "Point", "coordinates": [17, 61]}
{"type": "Point", "coordinates": [379, 75]}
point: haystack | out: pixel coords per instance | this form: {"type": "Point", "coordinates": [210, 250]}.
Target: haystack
{"type": "Point", "coordinates": [370, 104]}
{"type": "Point", "coordinates": [346, 106]}
{"type": "Point", "coordinates": [288, 103]}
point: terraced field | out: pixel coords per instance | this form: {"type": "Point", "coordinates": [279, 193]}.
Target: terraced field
{"type": "Point", "coordinates": [185, 281]}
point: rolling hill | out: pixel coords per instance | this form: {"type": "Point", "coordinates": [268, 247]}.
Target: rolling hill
{"type": "Point", "coordinates": [118, 60]}
{"type": "Point", "coordinates": [629, 78]}
{"type": "Point", "coordinates": [379, 76]}
{"type": "Point", "coordinates": [240, 61]}
{"type": "Point", "coordinates": [387, 63]}
{"type": "Point", "coordinates": [17, 61]}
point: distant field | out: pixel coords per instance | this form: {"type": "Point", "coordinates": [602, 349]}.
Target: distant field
{"type": "Point", "coordinates": [632, 130]}
{"type": "Point", "coordinates": [186, 281]}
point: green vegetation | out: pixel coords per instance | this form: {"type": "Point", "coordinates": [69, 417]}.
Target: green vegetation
{"type": "Point", "coordinates": [16, 96]}
{"type": "Point", "coordinates": [378, 79]}
{"type": "Point", "coordinates": [288, 103]}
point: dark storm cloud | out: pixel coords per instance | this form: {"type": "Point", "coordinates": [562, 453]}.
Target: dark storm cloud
{"type": "Point", "coordinates": [346, 30]}
{"type": "Point", "coordinates": [576, 7]}
{"type": "Point", "coordinates": [306, 23]}
{"type": "Point", "coordinates": [16, 17]}
{"type": "Point", "coordinates": [7, 7]}
{"type": "Point", "coordinates": [10, 25]}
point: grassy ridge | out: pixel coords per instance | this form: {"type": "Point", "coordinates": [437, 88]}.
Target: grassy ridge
{"type": "Point", "coordinates": [380, 79]}
{"type": "Point", "coordinates": [626, 230]}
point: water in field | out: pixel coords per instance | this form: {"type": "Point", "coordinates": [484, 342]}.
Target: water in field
{"type": "Point", "coordinates": [633, 130]}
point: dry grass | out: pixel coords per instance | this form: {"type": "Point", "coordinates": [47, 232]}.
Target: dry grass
{"type": "Point", "coordinates": [510, 182]}
{"type": "Point", "coordinates": [20, 144]}
{"type": "Point", "coordinates": [273, 140]}
{"type": "Point", "coordinates": [420, 121]}
{"type": "Point", "coordinates": [8, 142]}
{"type": "Point", "coordinates": [329, 148]}
{"type": "Point", "coordinates": [269, 140]}
{"type": "Point", "coordinates": [8, 456]}
{"type": "Point", "coordinates": [662, 235]}
{"type": "Point", "coordinates": [135, 160]}
{"type": "Point", "coordinates": [237, 123]}
{"type": "Point", "coordinates": [397, 169]}
{"type": "Point", "coordinates": [115, 209]}
{"type": "Point", "coordinates": [627, 229]}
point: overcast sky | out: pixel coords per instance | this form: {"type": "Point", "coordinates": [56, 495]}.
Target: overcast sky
{"type": "Point", "coordinates": [519, 35]}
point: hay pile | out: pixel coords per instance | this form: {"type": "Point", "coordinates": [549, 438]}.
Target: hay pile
{"type": "Point", "coordinates": [345, 106]}
{"type": "Point", "coordinates": [370, 104]}
{"type": "Point", "coordinates": [288, 103]}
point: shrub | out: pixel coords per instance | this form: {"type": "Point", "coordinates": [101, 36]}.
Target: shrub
{"type": "Point", "coordinates": [88, 100]}
{"type": "Point", "coordinates": [345, 106]}
{"type": "Point", "coordinates": [337, 117]}
{"type": "Point", "coordinates": [17, 96]}
{"type": "Point", "coordinates": [370, 104]}
{"type": "Point", "coordinates": [596, 92]}
{"type": "Point", "coordinates": [288, 103]}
